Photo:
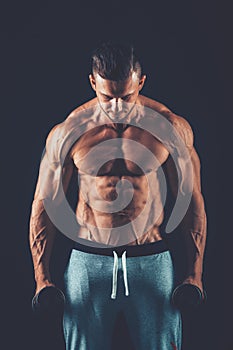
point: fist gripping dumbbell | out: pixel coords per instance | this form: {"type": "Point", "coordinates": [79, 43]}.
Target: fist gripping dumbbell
{"type": "Point", "coordinates": [48, 300]}
{"type": "Point", "coordinates": [188, 296]}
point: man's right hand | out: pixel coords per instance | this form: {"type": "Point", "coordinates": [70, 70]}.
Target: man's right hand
{"type": "Point", "coordinates": [49, 300]}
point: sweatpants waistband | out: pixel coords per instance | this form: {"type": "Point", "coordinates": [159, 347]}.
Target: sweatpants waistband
{"type": "Point", "coordinates": [131, 250]}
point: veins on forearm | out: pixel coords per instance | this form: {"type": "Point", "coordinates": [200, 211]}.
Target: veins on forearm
{"type": "Point", "coordinates": [41, 233]}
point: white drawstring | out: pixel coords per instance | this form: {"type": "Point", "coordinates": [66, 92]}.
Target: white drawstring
{"type": "Point", "coordinates": [115, 272]}
{"type": "Point", "coordinates": [114, 276]}
{"type": "Point", "coordinates": [124, 266]}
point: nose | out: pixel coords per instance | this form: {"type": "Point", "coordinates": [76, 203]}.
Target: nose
{"type": "Point", "coordinates": [116, 105]}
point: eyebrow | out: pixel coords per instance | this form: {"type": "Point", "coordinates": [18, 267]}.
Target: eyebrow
{"type": "Point", "coordinates": [113, 96]}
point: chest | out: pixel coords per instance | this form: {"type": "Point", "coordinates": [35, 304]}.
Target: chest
{"type": "Point", "coordinates": [118, 149]}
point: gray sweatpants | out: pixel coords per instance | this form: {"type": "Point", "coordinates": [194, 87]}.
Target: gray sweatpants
{"type": "Point", "coordinates": [99, 287]}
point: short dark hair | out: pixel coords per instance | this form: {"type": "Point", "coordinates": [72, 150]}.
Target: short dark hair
{"type": "Point", "coordinates": [115, 61]}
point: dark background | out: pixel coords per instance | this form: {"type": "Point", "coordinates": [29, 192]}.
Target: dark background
{"type": "Point", "coordinates": [45, 52]}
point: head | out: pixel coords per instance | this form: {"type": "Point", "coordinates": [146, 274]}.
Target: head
{"type": "Point", "coordinates": [116, 76]}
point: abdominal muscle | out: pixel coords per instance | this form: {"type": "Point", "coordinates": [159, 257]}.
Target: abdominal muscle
{"type": "Point", "coordinates": [119, 210]}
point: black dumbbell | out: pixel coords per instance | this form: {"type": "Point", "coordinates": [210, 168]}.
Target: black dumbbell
{"type": "Point", "coordinates": [49, 300]}
{"type": "Point", "coordinates": [188, 296]}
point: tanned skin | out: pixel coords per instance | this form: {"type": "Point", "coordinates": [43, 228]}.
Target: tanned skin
{"type": "Point", "coordinates": [193, 226]}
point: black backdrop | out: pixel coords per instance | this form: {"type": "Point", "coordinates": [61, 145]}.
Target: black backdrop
{"type": "Point", "coordinates": [45, 52]}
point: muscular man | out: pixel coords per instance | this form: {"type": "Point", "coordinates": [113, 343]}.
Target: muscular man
{"type": "Point", "coordinates": [125, 150]}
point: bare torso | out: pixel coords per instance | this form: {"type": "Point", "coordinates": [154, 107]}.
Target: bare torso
{"type": "Point", "coordinates": [114, 190]}
{"type": "Point", "coordinates": [120, 192]}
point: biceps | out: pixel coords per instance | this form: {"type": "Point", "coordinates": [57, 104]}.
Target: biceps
{"type": "Point", "coordinates": [180, 171]}
{"type": "Point", "coordinates": [53, 179]}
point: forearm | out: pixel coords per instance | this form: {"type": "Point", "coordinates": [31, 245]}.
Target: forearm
{"type": "Point", "coordinates": [42, 233]}
{"type": "Point", "coordinates": [193, 231]}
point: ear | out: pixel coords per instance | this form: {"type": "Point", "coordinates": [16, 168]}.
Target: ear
{"type": "Point", "coordinates": [92, 81]}
{"type": "Point", "coordinates": [142, 82]}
